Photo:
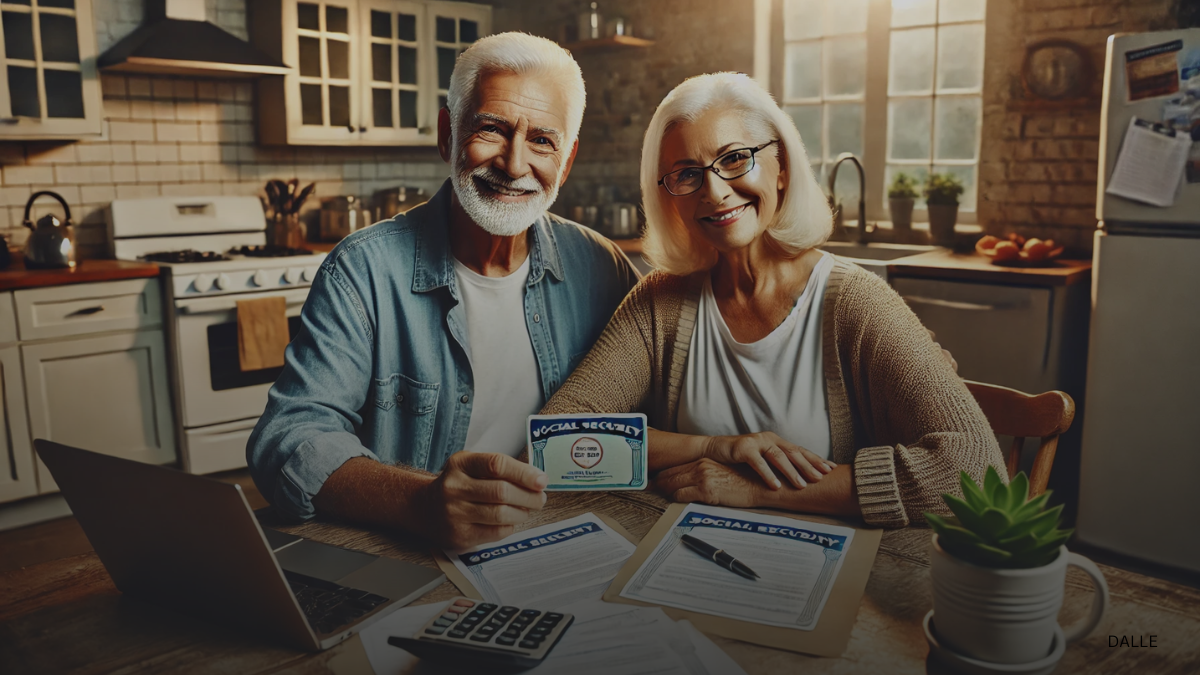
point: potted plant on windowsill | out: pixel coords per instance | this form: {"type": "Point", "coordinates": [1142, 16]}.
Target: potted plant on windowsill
{"type": "Point", "coordinates": [942, 191]}
{"type": "Point", "coordinates": [902, 194]}
{"type": "Point", "coordinates": [998, 571]}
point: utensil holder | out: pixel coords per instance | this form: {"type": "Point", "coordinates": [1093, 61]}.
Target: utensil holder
{"type": "Point", "coordinates": [285, 230]}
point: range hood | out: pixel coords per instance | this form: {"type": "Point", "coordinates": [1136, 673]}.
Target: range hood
{"type": "Point", "coordinates": [175, 39]}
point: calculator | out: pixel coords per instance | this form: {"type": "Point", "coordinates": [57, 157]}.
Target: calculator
{"type": "Point", "coordinates": [486, 635]}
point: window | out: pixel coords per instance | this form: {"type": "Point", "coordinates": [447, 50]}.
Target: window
{"type": "Point", "coordinates": [896, 82]}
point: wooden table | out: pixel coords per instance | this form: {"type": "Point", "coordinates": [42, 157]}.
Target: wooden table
{"type": "Point", "coordinates": [67, 617]}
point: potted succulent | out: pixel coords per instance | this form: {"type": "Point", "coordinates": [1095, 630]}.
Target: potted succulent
{"type": "Point", "coordinates": [998, 572]}
{"type": "Point", "coordinates": [942, 191]}
{"type": "Point", "coordinates": [902, 194]}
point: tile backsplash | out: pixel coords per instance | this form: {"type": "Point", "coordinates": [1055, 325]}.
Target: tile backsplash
{"type": "Point", "coordinates": [174, 136]}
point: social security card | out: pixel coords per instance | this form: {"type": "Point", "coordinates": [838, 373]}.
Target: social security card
{"type": "Point", "coordinates": [590, 452]}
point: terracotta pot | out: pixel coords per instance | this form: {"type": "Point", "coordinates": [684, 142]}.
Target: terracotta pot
{"type": "Point", "coordinates": [901, 210]}
{"type": "Point", "coordinates": [941, 223]}
{"type": "Point", "coordinates": [1006, 615]}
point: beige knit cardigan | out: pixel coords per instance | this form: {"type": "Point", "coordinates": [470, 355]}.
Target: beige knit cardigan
{"type": "Point", "coordinates": [897, 410]}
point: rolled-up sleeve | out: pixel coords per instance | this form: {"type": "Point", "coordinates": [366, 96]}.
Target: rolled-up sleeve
{"type": "Point", "coordinates": [313, 411]}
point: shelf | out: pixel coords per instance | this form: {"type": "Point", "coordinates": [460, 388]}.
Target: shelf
{"type": "Point", "coordinates": [613, 42]}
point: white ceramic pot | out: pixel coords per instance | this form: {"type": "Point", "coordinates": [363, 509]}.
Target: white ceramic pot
{"type": "Point", "coordinates": [1007, 616]}
{"type": "Point", "coordinates": [941, 223]}
{"type": "Point", "coordinates": [901, 210]}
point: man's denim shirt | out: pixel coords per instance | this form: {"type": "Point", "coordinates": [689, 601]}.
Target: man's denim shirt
{"type": "Point", "coordinates": [378, 368]}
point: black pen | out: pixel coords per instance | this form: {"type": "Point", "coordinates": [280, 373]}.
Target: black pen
{"type": "Point", "coordinates": [719, 556]}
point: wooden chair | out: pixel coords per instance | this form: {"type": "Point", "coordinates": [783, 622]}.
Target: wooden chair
{"type": "Point", "coordinates": [1020, 415]}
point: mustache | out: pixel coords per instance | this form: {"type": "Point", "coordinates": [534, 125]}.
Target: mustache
{"type": "Point", "coordinates": [490, 175]}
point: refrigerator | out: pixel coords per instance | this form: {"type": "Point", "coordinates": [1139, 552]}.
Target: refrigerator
{"type": "Point", "coordinates": [1140, 463]}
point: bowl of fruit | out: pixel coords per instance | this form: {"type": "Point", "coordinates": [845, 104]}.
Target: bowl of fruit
{"type": "Point", "coordinates": [1017, 251]}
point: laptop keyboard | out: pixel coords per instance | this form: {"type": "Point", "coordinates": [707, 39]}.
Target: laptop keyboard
{"type": "Point", "coordinates": [329, 606]}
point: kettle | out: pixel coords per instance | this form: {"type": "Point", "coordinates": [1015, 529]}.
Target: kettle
{"type": "Point", "coordinates": [52, 243]}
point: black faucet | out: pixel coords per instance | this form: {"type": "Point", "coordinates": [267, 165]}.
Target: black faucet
{"type": "Point", "coordinates": [861, 236]}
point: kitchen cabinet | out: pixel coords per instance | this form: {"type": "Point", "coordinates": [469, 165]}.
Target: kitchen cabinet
{"type": "Point", "coordinates": [364, 72]}
{"type": "Point", "coordinates": [86, 366]}
{"type": "Point", "coordinates": [17, 478]}
{"type": "Point", "coordinates": [49, 87]}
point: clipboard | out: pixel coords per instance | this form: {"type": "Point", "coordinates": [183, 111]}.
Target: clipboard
{"type": "Point", "coordinates": [468, 589]}
{"type": "Point", "coordinates": [832, 632]}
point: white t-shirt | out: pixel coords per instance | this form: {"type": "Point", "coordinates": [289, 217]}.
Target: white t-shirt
{"type": "Point", "coordinates": [507, 384]}
{"type": "Point", "coordinates": [775, 384]}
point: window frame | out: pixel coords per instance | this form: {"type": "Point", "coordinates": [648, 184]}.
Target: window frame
{"type": "Point", "coordinates": [770, 68]}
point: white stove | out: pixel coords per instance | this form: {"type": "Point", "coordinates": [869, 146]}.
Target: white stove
{"type": "Point", "coordinates": [213, 254]}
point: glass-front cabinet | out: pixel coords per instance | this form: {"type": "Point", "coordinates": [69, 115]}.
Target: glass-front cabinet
{"type": "Point", "coordinates": [365, 72]}
{"type": "Point", "coordinates": [48, 83]}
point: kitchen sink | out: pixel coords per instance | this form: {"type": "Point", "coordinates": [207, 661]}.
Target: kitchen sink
{"type": "Point", "coordinates": [874, 257]}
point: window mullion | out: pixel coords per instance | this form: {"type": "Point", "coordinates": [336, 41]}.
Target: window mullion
{"type": "Point", "coordinates": [875, 107]}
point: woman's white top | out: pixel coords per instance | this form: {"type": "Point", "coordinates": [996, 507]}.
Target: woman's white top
{"type": "Point", "coordinates": [775, 384]}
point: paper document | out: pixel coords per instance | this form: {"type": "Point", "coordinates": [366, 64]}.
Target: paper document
{"type": "Point", "coordinates": [547, 567]}
{"type": "Point", "coordinates": [604, 639]}
{"type": "Point", "coordinates": [797, 562]}
{"type": "Point", "coordinates": [1150, 165]}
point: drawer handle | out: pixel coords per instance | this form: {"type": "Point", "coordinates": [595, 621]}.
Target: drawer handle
{"type": "Point", "coordinates": [87, 311]}
{"type": "Point", "coordinates": [950, 304]}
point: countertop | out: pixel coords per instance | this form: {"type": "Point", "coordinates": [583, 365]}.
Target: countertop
{"type": "Point", "coordinates": [946, 264]}
{"type": "Point", "coordinates": [16, 276]}
{"type": "Point", "coordinates": [939, 264]}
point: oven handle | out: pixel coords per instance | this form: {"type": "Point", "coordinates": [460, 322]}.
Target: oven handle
{"type": "Point", "coordinates": [229, 303]}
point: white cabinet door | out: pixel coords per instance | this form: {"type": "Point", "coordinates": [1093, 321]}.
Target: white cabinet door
{"type": "Point", "coordinates": [17, 479]}
{"type": "Point", "coordinates": [107, 394]}
{"type": "Point", "coordinates": [398, 95]}
{"type": "Point", "coordinates": [452, 27]}
{"type": "Point", "coordinates": [321, 43]}
{"type": "Point", "coordinates": [49, 87]}
{"type": "Point", "coordinates": [8, 318]}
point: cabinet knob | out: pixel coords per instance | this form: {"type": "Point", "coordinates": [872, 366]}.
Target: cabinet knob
{"type": "Point", "coordinates": [362, 130]}
{"type": "Point", "coordinates": [350, 128]}
{"type": "Point", "coordinates": [424, 130]}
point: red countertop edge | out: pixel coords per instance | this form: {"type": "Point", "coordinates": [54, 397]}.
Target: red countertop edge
{"type": "Point", "coordinates": [15, 276]}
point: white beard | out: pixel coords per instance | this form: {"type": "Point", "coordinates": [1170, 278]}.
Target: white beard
{"type": "Point", "coordinates": [494, 216]}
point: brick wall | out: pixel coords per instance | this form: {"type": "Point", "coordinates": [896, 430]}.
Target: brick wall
{"type": "Point", "coordinates": [624, 86]}
{"type": "Point", "coordinates": [1038, 165]}
{"type": "Point", "coordinates": [182, 136]}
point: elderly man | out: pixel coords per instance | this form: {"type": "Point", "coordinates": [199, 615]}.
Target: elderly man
{"type": "Point", "coordinates": [440, 330]}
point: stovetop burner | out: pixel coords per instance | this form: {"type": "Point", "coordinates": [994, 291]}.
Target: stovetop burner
{"type": "Point", "coordinates": [184, 256]}
{"type": "Point", "coordinates": [268, 251]}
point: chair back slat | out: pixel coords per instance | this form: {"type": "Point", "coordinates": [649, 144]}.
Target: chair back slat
{"type": "Point", "coordinates": [1020, 415]}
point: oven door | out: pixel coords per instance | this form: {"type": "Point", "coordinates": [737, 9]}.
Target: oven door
{"type": "Point", "coordinates": [213, 387]}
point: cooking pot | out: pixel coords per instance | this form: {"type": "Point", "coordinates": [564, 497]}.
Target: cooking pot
{"type": "Point", "coordinates": [52, 242]}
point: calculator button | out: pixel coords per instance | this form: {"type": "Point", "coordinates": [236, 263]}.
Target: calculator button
{"type": "Point", "coordinates": [487, 607]}
{"type": "Point", "coordinates": [506, 641]}
{"type": "Point", "coordinates": [531, 613]}
{"type": "Point", "coordinates": [464, 603]}
{"type": "Point", "coordinates": [554, 616]}
{"type": "Point", "coordinates": [508, 609]}
{"type": "Point", "coordinates": [455, 609]}
{"type": "Point", "coordinates": [457, 633]}
{"type": "Point", "coordinates": [442, 623]}
{"type": "Point", "coordinates": [538, 632]}
{"type": "Point", "coordinates": [510, 633]}
{"type": "Point", "coordinates": [481, 636]}
{"type": "Point", "coordinates": [530, 644]}
{"type": "Point", "coordinates": [435, 630]}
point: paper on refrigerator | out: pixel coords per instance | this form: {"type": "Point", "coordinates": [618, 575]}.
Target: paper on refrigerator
{"type": "Point", "coordinates": [1150, 165]}
{"type": "Point", "coordinates": [797, 562]}
{"type": "Point", "coordinates": [547, 567]}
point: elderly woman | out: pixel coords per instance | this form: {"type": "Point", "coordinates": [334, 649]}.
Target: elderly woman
{"type": "Point", "coordinates": [752, 352]}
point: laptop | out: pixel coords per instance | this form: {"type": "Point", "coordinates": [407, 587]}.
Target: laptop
{"type": "Point", "coordinates": [193, 544]}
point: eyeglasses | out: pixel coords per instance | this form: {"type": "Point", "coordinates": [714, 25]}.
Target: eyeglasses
{"type": "Point", "coordinates": [733, 164]}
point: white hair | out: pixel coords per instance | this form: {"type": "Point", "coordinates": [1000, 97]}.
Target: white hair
{"type": "Point", "coordinates": [803, 220]}
{"type": "Point", "coordinates": [521, 54]}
